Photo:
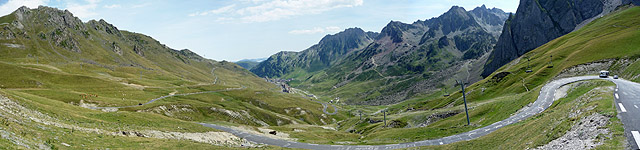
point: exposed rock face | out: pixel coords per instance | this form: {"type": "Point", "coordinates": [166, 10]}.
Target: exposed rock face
{"type": "Point", "coordinates": [493, 16]}
{"type": "Point", "coordinates": [421, 54]}
{"type": "Point", "coordinates": [63, 38]}
{"type": "Point", "coordinates": [6, 33]}
{"type": "Point", "coordinates": [539, 21]}
{"type": "Point", "coordinates": [116, 48]}
{"type": "Point", "coordinates": [63, 23]}
{"type": "Point", "coordinates": [104, 27]}
{"type": "Point", "coordinates": [138, 50]}
{"type": "Point", "coordinates": [394, 31]}
{"type": "Point", "coordinates": [191, 55]}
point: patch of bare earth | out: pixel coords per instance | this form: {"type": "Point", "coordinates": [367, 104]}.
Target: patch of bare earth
{"type": "Point", "coordinates": [14, 112]}
{"type": "Point", "coordinates": [582, 135]}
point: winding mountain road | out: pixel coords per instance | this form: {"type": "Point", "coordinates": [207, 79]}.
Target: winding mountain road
{"type": "Point", "coordinates": [315, 99]}
{"type": "Point", "coordinates": [325, 106]}
{"type": "Point", "coordinates": [335, 109]}
{"type": "Point", "coordinates": [629, 99]}
{"type": "Point", "coordinates": [170, 95]}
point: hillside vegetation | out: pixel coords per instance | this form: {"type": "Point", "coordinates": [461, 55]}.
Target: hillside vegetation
{"type": "Point", "coordinates": [608, 43]}
{"type": "Point", "coordinates": [55, 66]}
{"type": "Point", "coordinates": [399, 63]}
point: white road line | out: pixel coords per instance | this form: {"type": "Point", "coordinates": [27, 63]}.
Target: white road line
{"type": "Point", "coordinates": [636, 136]}
{"type": "Point", "coordinates": [617, 97]}
{"type": "Point", "coordinates": [622, 107]}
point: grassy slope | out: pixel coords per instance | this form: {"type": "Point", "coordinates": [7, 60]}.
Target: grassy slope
{"type": "Point", "coordinates": [359, 87]}
{"type": "Point", "coordinates": [50, 79]}
{"type": "Point", "coordinates": [600, 37]}
{"type": "Point", "coordinates": [554, 123]}
{"type": "Point", "coordinates": [610, 37]}
{"type": "Point", "coordinates": [615, 32]}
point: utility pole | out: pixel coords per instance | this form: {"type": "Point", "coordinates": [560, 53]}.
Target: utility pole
{"type": "Point", "coordinates": [464, 97]}
{"type": "Point", "coordinates": [550, 61]}
{"type": "Point", "coordinates": [384, 112]}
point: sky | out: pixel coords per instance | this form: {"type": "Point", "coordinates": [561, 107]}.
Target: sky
{"type": "Point", "coordinates": [244, 29]}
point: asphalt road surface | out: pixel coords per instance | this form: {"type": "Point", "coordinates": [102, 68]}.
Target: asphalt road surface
{"type": "Point", "coordinates": [324, 109]}
{"type": "Point", "coordinates": [629, 99]}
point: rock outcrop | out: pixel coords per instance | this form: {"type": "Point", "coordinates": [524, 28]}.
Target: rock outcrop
{"type": "Point", "coordinates": [537, 22]}
{"type": "Point", "coordinates": [116, 48]}
{"type": "Point", "coordinates": [105, 27]}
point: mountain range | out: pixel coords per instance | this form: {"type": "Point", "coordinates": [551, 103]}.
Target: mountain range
{"type": "Point", "coordinates": [53, 54]}
{"type": "Point", "coordinates": [69, 84]}
{"type": "Point", "coordinates": [401, 61]}
{"type": "Point", "coordinates": [406, 60]}
{"type": "Point", "coordinates": [249, 63]}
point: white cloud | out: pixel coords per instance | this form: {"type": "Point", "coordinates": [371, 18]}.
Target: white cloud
{"type": "Point", "coordinates": [253, 1]}
{"type": "Point", "coordinates": [224, 9]}
{"type": "Point", "coordinates": [141, 5]}
{"type": "Point", "coordinates": [112, 6]}
{"type": "Point", "coordinates": [317, 30]}
{"type": "Point", "coordinates": [83, 11]}
{"type": "Point", "coordinates": [333, 29]}
{"type": "Point", "coordinates": [263, 10]}
{"type": "Point", "coordinates": [279, 9]}
{"type": "Point", "coordinates": [223, 19]}
{"type": "Point", "coordinates": [12, 5]}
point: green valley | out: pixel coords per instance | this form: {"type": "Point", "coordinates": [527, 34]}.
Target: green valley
{"type": "Point", "coordinates": [70, 84]}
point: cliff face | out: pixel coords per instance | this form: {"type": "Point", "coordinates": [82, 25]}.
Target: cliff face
{"type": "Point", "coordinates": [537, 22]}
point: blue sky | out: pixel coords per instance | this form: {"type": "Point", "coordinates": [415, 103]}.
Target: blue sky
{"type": "Point", "coordinates": [242, 29]}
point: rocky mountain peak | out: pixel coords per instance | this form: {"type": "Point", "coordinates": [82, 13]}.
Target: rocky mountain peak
{"type": "Point", "coordinates": [191, 55]}
{"type": "Point", "coordinates": [347, 34]}
{"type": "Point", "coordinates": [21, 12]}
{"type": "Point", "coordinates": [457, 11]}
{"type": "Point", "coordinates": [492, 19]}
{"type": "Point", "coordinates": [319, 56]}
{"type": "Point", "coordinates": [394, 31]}
{"type": "Point", "coordinates": [102, 25]}
{"type": "Point", "coordinates": [457, 18]}
{"type": "Point", "coordinates": [58, 26]}
{"type": "Point", "coordinates": [57, 17]}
